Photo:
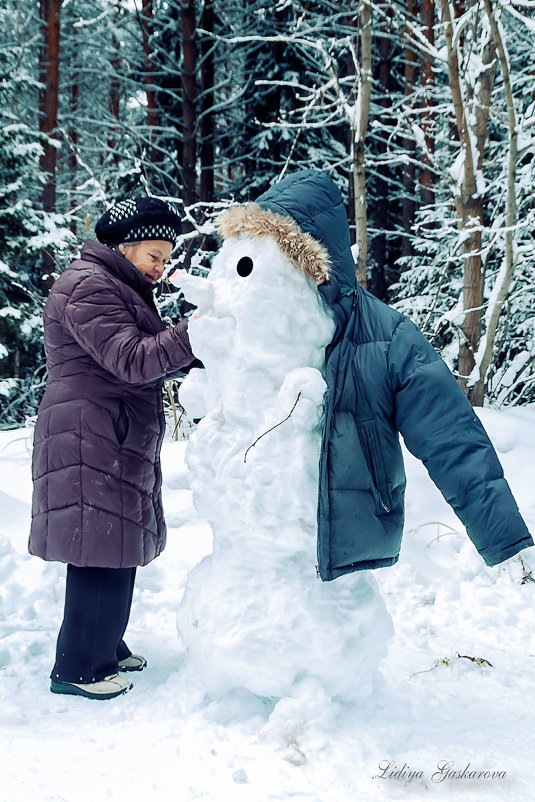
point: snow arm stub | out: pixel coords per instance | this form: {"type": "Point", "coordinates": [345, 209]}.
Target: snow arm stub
{"type": "Point", "coordinates": [309, 385]}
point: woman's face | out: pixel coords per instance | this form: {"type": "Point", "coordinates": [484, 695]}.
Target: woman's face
{"type": "Point", "coordinates": [150, 256]}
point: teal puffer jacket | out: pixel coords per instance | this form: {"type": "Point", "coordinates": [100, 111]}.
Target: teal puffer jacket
{"type": "Point", "coordinates": [384, 378]}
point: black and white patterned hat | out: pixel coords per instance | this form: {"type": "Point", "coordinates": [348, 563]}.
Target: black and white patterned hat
{"type": "Point", "coordinates": [137, 220]}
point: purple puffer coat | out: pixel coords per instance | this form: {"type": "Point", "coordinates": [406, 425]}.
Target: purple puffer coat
{"type": "Point", "coordinates": [96, 458]}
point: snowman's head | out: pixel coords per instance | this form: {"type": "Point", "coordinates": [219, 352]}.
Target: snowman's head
{"type": "Point", "coordinates": [256, 311]}
{"type": "Point", "coordinates": [256, 286]}
{"type": "Point", "coordinates": [298, 248]}
{"type": "Point", "coordinates": [263, 296]}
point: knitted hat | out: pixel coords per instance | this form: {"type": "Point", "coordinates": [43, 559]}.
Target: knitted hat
{"type": "Point", "coordinates": [137, 220]}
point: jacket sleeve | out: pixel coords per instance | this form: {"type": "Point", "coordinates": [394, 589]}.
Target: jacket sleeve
{"type": "Point", "coordinates": [101, 323]}
{"type": "Point", "coordinates": [440, 428]}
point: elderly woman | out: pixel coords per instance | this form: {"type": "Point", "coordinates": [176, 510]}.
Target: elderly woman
{"type": "Point", "coordinates": [97, 502]}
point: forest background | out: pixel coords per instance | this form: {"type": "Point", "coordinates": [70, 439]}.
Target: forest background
{"type": "Point", "coordinates": [422, 111]}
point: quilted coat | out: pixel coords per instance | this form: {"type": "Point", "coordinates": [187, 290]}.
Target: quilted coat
{"type": "Point", "coordinates": [96, 457]}
{"type": "Point", "coordinates": [383, 377]}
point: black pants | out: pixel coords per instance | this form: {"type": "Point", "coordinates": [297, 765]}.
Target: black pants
{"type": "Point", "coordinates": [97, 608]}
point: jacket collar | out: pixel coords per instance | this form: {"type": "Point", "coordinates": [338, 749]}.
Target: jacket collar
{"type": "Point", "coordinates": [119, 265]}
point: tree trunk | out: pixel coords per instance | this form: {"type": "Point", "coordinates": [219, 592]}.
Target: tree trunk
{"type": "Point", "coordinates": [72, 69]}
{"type": "Point", "coordinates": [115, 93]}
{"type": "Point", "coordinates": [359, 135]}
{"type": "Point", "coordinates": [427, 176]}
{"type": "Point", "coordinates": [169, 70]}
{"type": "Point", "coordinates": [206, 123]}
{"type": "Point", "coordinates": [377, 283]}
{"type": "Point", "coordinates": [474, 273]}
{"type": "Point", "coordinates": [114, 104]}
{"type": "Point", "coordinates": [505, 276]}
{"type": "Point", "coordinates": [472, 288]}
{"type": "Point", "coordinates": [189, 89]}
{"type": "Point", "coordinates": [48, 96]}
{"type": "Point", "coordinates": [153, 117]}
{"type": "Point", "coordinates": [408, 205]}
{"type": "Point", "coordinates": [48, 116]}
{"type": "Point", "coordinates": [468, 197]}
{"type": "Point", "coordinates": [73, 141]}
{"type": "Point", "coordinates": [349, 70]}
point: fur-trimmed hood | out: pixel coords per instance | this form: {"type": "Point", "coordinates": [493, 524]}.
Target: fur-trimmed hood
{"type": "Point", "coordinates": [302, 250]}
{"type": "Point", "coordinates": [305, 215]}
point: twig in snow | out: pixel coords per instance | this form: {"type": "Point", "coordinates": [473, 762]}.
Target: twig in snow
{"type": "Point", "coordinates": [480, 661]}
{"type": "Point", "coordinates": [447, 661]}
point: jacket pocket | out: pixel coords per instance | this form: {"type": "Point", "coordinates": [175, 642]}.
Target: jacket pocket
{"type": "Point", "coordinates": [373, 454]}
{"type": "Point", "coordinates": [122, 424]}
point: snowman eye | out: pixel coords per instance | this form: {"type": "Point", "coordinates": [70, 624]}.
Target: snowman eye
{"type": "Point", "coordinates": [245, 266]}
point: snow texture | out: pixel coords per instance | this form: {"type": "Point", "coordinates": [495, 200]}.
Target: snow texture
{"type": "Point", "coordinates": [168, 739]}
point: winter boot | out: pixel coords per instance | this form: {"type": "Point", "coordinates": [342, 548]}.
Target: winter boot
{"type": "Point", "coordinates": [107, 688]}
{"type": "Point", "coordinates": [133, 663]}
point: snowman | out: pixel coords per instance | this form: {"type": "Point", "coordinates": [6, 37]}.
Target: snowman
{"type": "Point", "coordinates": [255, 615]}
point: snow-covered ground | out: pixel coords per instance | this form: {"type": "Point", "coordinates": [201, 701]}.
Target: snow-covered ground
{"type": "Point", "coordinates": [459, 675]}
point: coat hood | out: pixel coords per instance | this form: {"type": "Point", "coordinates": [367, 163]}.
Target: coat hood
{"type": "Point", "coordinates": [305, 214]}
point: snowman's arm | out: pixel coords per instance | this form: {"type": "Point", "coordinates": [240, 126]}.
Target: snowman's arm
{"type": "Point", "coordinates": [192, 393]}
{"type": "Point", "coordinates": [301, 394]}
{"type": "Point", "coordinates": [307, 381]}
{"type": "Point", "coordinates": [197, 291]}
